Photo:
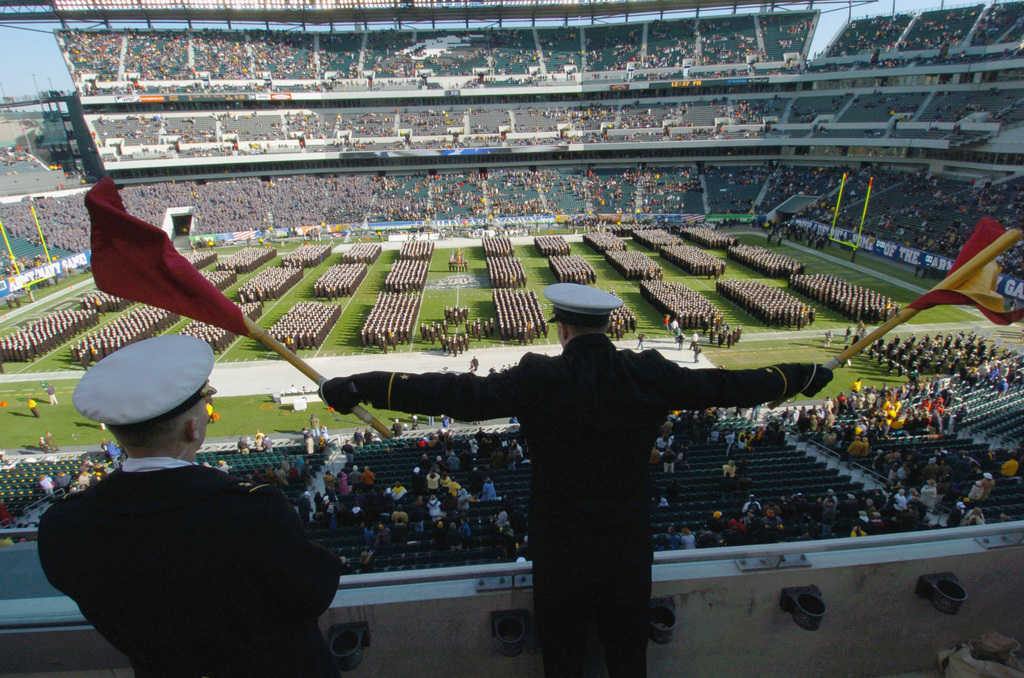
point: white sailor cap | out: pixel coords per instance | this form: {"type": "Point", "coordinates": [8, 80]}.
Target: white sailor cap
{"type": "Point", "coordinates": [154, 379]}
{"type": "Point", "coordinates": [581, 305]}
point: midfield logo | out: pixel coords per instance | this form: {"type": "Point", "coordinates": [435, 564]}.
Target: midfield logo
{"type": "Point", "coordinates": [455, 281]}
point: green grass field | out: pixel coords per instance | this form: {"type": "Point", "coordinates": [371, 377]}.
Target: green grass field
{"type": "Point", "coordinates": [244, 414]}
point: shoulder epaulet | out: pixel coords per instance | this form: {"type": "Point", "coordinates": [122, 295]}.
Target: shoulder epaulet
{"type": "Point", "coordinates": [246, 487]}
{"type": "Point", "coordinates": [72, 495]}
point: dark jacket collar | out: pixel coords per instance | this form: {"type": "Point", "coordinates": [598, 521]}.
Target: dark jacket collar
{"type": "Point", "coordinates": [587, 340]}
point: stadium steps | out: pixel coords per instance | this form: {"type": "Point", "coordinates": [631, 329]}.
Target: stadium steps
{"type": "Point", "coordinates": [903, 36]}
{"type": "Point", "coordinates": [762, 193]}
{"type": "Point", "coordinates": [704, 187]}
{"type": "Point", "coordinates": [121, 56]}
{"type": "Point", "coordinates": [981, 17]}
{"type": "Point", "coordinates": [540, 52]}
{"type": "Point", "coordinates": [924, 105]}
{"type": "Point", "coordinates": [760, 36]}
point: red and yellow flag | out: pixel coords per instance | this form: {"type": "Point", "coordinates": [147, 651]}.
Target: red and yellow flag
{"type": "Point", "coordinates": [980, 289]}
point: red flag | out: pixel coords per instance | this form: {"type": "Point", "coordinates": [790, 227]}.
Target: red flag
{"type": "Point", "coordinates": [135, 260]}
{"type": "Point", "coordinates": [980, 289]}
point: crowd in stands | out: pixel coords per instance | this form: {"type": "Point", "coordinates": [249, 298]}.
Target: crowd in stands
{"type": "Point", "coordinates": [845, 298]}
{"type": "Point", "coordinates": [270, 283]}
{"type": "Point", "coordinates": [764, 261]}
{"type": "Point", "coordinates": [520, 317]}
{"type": "Point", "coordinates": [391, 319]}
{"type": "Point", "coordinates": [340, 280]}
{"type": "Point", "coordinates": [306, 325]}
{"type": "Point", "coordinates": [694, 260]}
{"type": "Point", "coordinates": [770, 305]}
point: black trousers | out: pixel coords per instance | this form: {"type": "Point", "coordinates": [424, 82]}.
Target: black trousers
{"type": "Point", "coordinates": [564, 605]}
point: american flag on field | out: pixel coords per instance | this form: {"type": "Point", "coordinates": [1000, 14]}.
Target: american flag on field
{"type": "Point", "coordinates": [244, 235]}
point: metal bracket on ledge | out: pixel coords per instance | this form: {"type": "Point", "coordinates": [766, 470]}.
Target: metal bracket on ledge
{"type": "Point", "coordinates": [756, 564]}
{"type": "Point", "coordinates": [1000, 541]}
{"type": "Point", "coordinates": [794, 560]}
{"type": "Point", "coordinates": [493, 583]}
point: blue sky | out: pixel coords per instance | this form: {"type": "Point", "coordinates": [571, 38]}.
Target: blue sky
{"type": "Point", "coordinates": [24, 52]}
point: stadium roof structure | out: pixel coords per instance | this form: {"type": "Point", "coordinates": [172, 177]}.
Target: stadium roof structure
{"type": "Point", "coordinates": [325, 12]}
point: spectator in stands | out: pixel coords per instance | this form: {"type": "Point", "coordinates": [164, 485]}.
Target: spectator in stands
{"type": "Point", "coordinates": [145, 518]}
{"type": "Point", "coordinates": [580, 573]}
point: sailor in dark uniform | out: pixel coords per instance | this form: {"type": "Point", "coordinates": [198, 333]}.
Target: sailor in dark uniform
{"type": "Point", "coordinates": [186, 570]}
{"type": "Point", "coordinates": [591, 410]}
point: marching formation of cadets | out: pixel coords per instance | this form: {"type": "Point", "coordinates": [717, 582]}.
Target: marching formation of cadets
{"type": "Point", "coordinates": [847, 299]}
{"type": "Point", "coordinates": [390, 320]}
{"type": "Point", "coordinates": [141, 323]}
{"type": "Point", "coordinates": [362, 253]}
{"type": "Point", "coordinates": [104, 303]}
{"type": "Point", "coordinates": [601, 242]}
{"type": "Point", "coordinates": [45, 334]}
{"type": "Point", "coordinates": [694, 260]}
{"type": "Point", "coordinates": [417, 250]}
{"type": "Point", "coordinates": [340, 280]}
{"type": "Point", "coordinates": [407, 275]}
{"type": "Point", "coordinates": [506, 272]}
{"type": "Point", "coordinates": [723, 333]}
{"type": "Point", "coordinates": [247, 259]}
{"type": "Point", "coordinates": [478, 329]}
{"type": "Point", "coordinates": [455, 344]}
{"type": "Point", "coordinates": [456, 314]}
{"type": "Point", "coordinates": [768, 304]}
{"type": "Point", "coordinates": [634, 265]}
{"type": "Point", "coordinates": [306, 325]}
{"type": "Point", "coordinates": [520, 317]}
{"type": "Point", "coordinates": [220, 279]}
{"type": "Point", "coordinates": [551, 246]}
{"type": "Point", "coordinates": [217, 337]}
{"type": "Point", "coordinates": [306, 256]}
{"type": "Point", "coordinates": [765, 262]}
{"type": "Point", "coordinates": [200, 258]}
{"type": "Point", "coordinates": [270, 283]}
{"type": "Point", "coordinates": [708, 237]}
{"type": "Point", "coordinates": [949, 354]}
{"type": "Point", "coordinates": [497, 246]}
{"type": "Point", "coordinates": [621, 321]}
{"type": "Point", "coordinates": [655, 238]}
{"type": "Point", "coordinates": [691, 309]}
{"type": "Point", "coordinates": [572, 269]}
{"type": "Point", "coordinates": [457, 262]}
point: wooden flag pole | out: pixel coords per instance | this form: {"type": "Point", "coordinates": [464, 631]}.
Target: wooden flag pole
{"type": "Point", "coordinates": [950, 282]}
{"type": "Point", "coordinates": [256, 332]}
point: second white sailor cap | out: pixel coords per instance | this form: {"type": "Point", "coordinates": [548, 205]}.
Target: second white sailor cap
{"type": "Point", "coordinates": [581, 305]}
{"type": "Point", "coordinates": [151, 380]}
